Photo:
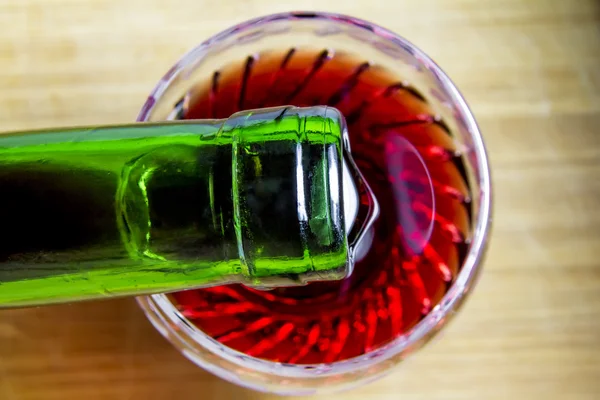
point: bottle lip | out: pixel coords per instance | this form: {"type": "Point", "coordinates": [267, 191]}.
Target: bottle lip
{"type": "Point", "coordinates": [345, 183]}
{"type": "Point", "coordinates": [359, 218]}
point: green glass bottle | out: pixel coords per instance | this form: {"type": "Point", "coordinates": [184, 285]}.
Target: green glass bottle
{"type": "Point", "coordinates": [257, 199]}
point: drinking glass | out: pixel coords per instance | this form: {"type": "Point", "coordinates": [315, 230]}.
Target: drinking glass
{"type": "Point", "coordinates": [397, 55]}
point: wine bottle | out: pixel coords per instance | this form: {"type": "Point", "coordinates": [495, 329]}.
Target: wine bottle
{"type": "Point", "coordinates": [257, 198]}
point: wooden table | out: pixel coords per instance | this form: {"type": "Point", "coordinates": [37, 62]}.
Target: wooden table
{"type": "Point", "coordinates": [529, 68]}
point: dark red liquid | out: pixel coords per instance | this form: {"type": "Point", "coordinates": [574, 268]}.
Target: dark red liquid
{"type": "Point", "coordinates": [409, 159]}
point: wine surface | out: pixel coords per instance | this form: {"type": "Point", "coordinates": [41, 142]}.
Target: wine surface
{"type": "Point", "coordinates": [419, 241]}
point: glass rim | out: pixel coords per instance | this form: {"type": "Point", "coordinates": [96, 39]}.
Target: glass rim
{"type": "Point", "coordinates": [470, 268]}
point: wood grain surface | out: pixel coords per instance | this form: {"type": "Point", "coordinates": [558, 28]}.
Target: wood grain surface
{"type": "Point", "coordinates": [530, 70]}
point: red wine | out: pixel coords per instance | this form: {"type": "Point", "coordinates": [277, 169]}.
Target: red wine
{"type": "Point", "coordinates": [409, 158]}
